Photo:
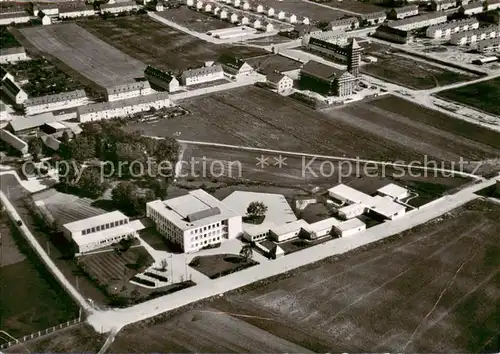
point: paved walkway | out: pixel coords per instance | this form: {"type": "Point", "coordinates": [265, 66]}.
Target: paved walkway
{"type": "Point", "coordinates": [117, 318]}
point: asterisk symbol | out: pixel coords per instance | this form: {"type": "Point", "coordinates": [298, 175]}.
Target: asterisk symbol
{"type": "Point", "coordinates": [280, 161]}
{"type": "Point", "coordinates": [262, 161]}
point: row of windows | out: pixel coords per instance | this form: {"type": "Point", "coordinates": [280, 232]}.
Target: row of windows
{"type": "Point", "coordinates": [208, 234]}
{"type": "Point", "coordinates": [104, 226]}
{"type": "Point", "coordinates": [206, 242]}
{"type": "Point", "coordinates": [207, 227]}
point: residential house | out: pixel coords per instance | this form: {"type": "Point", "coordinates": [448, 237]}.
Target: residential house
{"type": "Point", "coordinates": [420, 21]}
{"type": "Point", "coordinates": [120, 7]}
{"type": "Point", "coordinates": [234, 66]}
{"type": "Point", "coordinates": [471, 9]}
{"type": "Point", "coordinates": [162, 79]}
{"type": "Point", "coordinates": [348, 23]}
{"type": "Point", "coordinates": [374, 18]}
{"type": "Point", "coordinates": [60, 101]}
{"type": "Point", "coordinates": [202, 75]}
{"type": "Point", "coordinates": [442, 5]}
{"type": "Point", "coordinates": [124, 91]}
{"type": "Point", "coordinates": [76, 9]}
{"type": "Point", "coordinates": [12, 55]}
{"type": "Point", "coordinates": [281, 83]}
{"type": "Point", "coordinates": [445, 30]}
{"type": "Point", "coordinates": [399, 13]}
{"type": "Point", "coordinates": [8, 18]}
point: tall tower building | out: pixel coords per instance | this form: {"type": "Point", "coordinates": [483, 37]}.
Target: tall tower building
{"type": "Point", "coordinates": [353, 57]}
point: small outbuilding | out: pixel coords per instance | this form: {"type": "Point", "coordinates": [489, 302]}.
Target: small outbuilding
{"type": "Point", "coordinates": [349, 227]}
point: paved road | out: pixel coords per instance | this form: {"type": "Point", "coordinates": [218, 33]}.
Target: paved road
{"type": "Point", "coordinates": [117, 318]}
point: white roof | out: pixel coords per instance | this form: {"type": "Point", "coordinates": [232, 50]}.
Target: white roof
{"type": "Point", "coordinates": [193, 210]}
{"type": "Point", "coordinates": [289, 227]}
{"type": "Point", "coordinates": [56, 125]}
{"type": "Point", "coordinates": [351, 194]}
{"type": "Point", "coordinates": [348, 208]}
{"type": "Point", "coordinates": [349, 224]}
{"type": "Point", "coordinates": [255, 230]}
{"type": "Point", "coordinates": [393, 190]}
{"type": "Point", "coordinates": [97, 220]}
{"type": "Point", "coordinates": [104, 234]}
{"type": "Point", "coordinates": [385, 206]}
{"type": "Point", "coordinates": [322, 225]}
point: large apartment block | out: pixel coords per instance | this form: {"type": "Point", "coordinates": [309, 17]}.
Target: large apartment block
{"type": "Point", "coordinates": [195, 220]}
{"type": "Point", "coordinates": [445, 30]}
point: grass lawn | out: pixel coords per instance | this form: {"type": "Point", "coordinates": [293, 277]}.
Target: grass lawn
{"type": "Point", "coordinates": [218, 265]}
{"type": "Point", "coordinates": [482, 95]}
{"type": "Point", "coordinates": [30, 298]}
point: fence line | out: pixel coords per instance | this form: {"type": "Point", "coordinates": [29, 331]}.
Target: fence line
{"type": "Point", "coordinates": [41, 333]}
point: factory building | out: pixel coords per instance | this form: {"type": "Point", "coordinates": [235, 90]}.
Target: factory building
{"type": "Point", "coordinates": [445, 30]}
{"type": "Point", "coordinates": [98, 231]}
{"type": "Point", "coordinates": [161, 79]}
{"type": "Point", "coordinates": [12, 55]}
{"type": "Point", "coordinates": [194, 221]}
{"type": "Point", "coordinates": [202, 75]}
{"type": "Point", "coordinates": [326, 80]}
{"type": "Point", "coordinates": [124, 91]}
{"type": "Point", "coordinates": [393, 34]}
{"type": "Point", "coordinates": [399, 13]}
{"type": "Point", "coordinates": [37, 105]}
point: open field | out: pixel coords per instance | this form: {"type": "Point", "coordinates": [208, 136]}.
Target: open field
{"type": "Point", "coordinates": [482, 95]}
{"type": "Point", "coordinates": [30, 298]}
{"type": "Point", "coordinates": [80, 338]}
{"type": "Point", "coordinates": [194, 20]}
{"type": "Point", "coordinates": [303, 9]}
{"type": "Point", "coordinates": [83, 52]}
{"type": "Point", "coordinates": [408, 72]}
{"type": "Point", "coordinates": [255, 117]}
{"type": "Point", "coordinates": [166, 48]}
{"type": "Point", "coordinates": [40, 77]}
{"type": "Point", "coordinates": [434, 288]}
{"type": "Point", "coordinates": [355, 6]}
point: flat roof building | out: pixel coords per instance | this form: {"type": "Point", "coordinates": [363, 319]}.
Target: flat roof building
{"type": "Point", "coordinates": [28, 125]}
{"type": "Point", "coordinates": [349, 227]}
{"type": "Point", "coordinates": [98, 231]}
{"type": "Point", "coordinates": [287, 231]}
{"type": "Point", "coordinates": [393, 191]}
{"type": "Point", "coordinates": [195, 220]}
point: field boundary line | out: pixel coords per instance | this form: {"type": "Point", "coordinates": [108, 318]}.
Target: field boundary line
{"type": "Point", "coordinates": [329, 157]}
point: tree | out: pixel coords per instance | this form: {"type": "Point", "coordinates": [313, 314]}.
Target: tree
{"type": "Point", "coordinates": [246, 252]}
{"type": "Point", "coordinates": [163, 265]}
{"type": "Point", "coordinates": [35, 148]}
{"type": "Point", "coordinates": [160, 188]}
{"type": "Point", "coordinates": [65, 138]}
{"type": "Point", "coordinates": [121, 194]}
{"type": "Point", "coordinates": [82, 148]}
{"type": "Point", "coordinates": [256, 209]}
{"type": "Point", "coordinates": [91, 183]}
{"type": "Point", "coordinates": [167, 150]}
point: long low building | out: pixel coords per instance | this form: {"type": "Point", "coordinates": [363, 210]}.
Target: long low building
{"type": "Point", "coordinates": [75, 10]}
{"type": "Point", "coordinates": [15, 17]}
{"type": "Point", "coordinates": [123, 108]}
{"type": "Point", "coordinates": [349, 228]}
{"type": "Point", "coordinates": [60, 101]}
{"type": "Point", "coordinates": [445, 30]}
{"type": "Point", "coordinates": [30, 125]}
{"type": "Point", "coordinates": [116, 8]}
{"type": "Point", "coordinates": [12, 55]}
{"type": "Point", "coordinates": [13, 141]}
{"type": "Point", "coordinates": [129, 90]}
{"type": "Point", "coordinates": [202, 75]}
{"type": "Point", "coordinates": [195, 220]}
{"type": "Point", "coordinates": [420, 21]}
{"type": "Point", "coordinates": [98, 231]}
{"type": "Point", "coordinates": [463, 38]}
{"type": "Point", "coordinates": [392, 34]}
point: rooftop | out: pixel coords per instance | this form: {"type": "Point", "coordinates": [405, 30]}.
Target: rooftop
{"type": "Point", "coordinates": [231, 61]}
{"type": "Point", "coordinates": [104, 234]}
{"type": "Point", "coordinates": [292, 226]}
{"type": "Point", "coordinates": [417, 19]}
{"type": "Point", "coordinates": [133, 86]}
{"type": "Point", "coordinates": [20, 124]}
{"type": "Point", "coordinates": [323, 71]}
{"type": "Point", "coordinates": [473, 5]}
{"type": "Point", "coordinates": [59, 97]}
{"type": "Point", "coordinates": [193, 210]}
{"type": "Point", "coordinates": [453, 24]}
{"type": "Point", "coordinates": [11, 86]}
{"type": "Point", "coordinates": [392, 190]}
{"type": "Point", "coordinates": [13, 50]}
{"type": "Point", "coordinates": [77, 226]}
{"type": "Point", "coordinates": [374, 15]}
{"type": "Point", "coordinates": [75, 6]}
{"type": "Point", "coordinates": [404, 9]}
{"type": "Point", "coordinates": [158, 73]}
{"type": "Point", "coordinates": [385, 206]}
{"type": "Point", "coordinates": [349, 224]}
{"type": "Point", "coordinates": [201, 71]}
{"type": "Point", "coordinates": [351, 194]}
{"type": "Point", "coordinates": [13, 15]}
{"type": "Point", "coordinates": [13, 140]}
{"type": "Point", "coordinates": [118, 4]}
{"type": "Point", "coordinates": [322, 224]}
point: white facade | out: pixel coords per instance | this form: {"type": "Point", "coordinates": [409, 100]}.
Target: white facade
{"type": "Point", "coordinates": [234, 18]}
{"type": "Point", "coordinates": [394, 191]}
{"type": "Point", "coordinates": [260, 9]}
{"type": "Point", "coordinates": [13, 91]}
{"type": "Point", "coordinates": [351, 211]}
{"type": "Point", "coordinates": [125, 91]}
{"type": "Point", "coordinates": [12, 55]}
{"type": "Point", "coordinates": [223, 14]}
{"type": "Point", "coordinates": [269, 27]}
{"type": "Point", "coordinates": [345, 24]}
{"type": "Point", "coordinates": [270, 12]}
{"type": "Point", "coordinates": [245, 20]}
{"type": "Point", "coordinates": [208, 8]}
{"type": "Point", "coordinates": [236, 3]}
{"type": "Point", "coordinates": [98, 231]}
{"type": "Point", "coordinates": [386, 208]}
{"type": "Point", "coordinates": [281, 15]}
{"type": "Point", "coordinates": [202, 75]}
{"type": "Point", "coordinates": [37, 105]}
{"type": "Point", "coordinates": [306, 21]}
{"type": "Point", "coordinates": [246, 6]}
{"type": "Point", "coordinates": [445, 30]}
{"type": "Point", "coordinates": [320, 228]}
{"type": "Point", "coordinates": [349, 228]}
{"type": "Point", "coordinates": [292, 19]}
{"type": "Point", "coordinates": [287, 231]}
{"type": "Point", "coordinates": [123, 108]}
{"type": "Point", "coordinates": [7, 19]}
{"type": "Point", "coordinates": [199, 5]}
{"type": "Point", "coordinates": [492, 44]}
{"type": "Point", "coordinates": [416, 22]}
{"type": "Point", "coordinates": [281, 83]}
{"type": "Point", "coordinates": [473, 36]}
{"type": "Point", "coordinates": [194, 221]}
{"type": "Point", "coordinates": [117, 8]}
{"type": "Point", "coordinates": [472, 9]}
{"type": "Point", "coordinates": [257, 24]}
{"type": "Point", "coordinates": [76, 13]}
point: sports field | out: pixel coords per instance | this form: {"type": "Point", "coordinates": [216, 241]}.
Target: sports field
{"type": "Point", "coordinates": [434, 288]}
{"type": "Point", "coordinates": [157, 44]}
{"type": "Point", "coordinates": [482, 95]}
{"type": "Point", "coordinates": [385, 128]}
{"type": "Point", "coordinates": [85, 53]}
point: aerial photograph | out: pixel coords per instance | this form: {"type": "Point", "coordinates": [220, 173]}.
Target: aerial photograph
{"type": "Point", "coordinates": [250, 176]}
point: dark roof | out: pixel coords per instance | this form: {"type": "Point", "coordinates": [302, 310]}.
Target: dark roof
{"type": "Point", "coordinates": [273, 62]}
{"type": "Point", "coordinates": [405, 8]}
{"type": "Point", "coordinates": [374, 15]}
{"type": "Point", "coordinates": [321, 70]}
{"type": "Point", "coordinates": [77, 6]}
{"type": "Point", "coordinates": [201, 71]}
{"type": "Point", "coordinates": [12, 87]}
{"type": "Point", "coordinates": [231, 61]}
{"type": "Point", "coordinates": [274, 77]}
{"type": "Point", "coordinates": [158, 73]}
{"type": "Point", "coordinates": [203, 214]}
{"type": "Point", "coordinates": [392, 30]}
{"type": "Point", "coordinates": [3, 72]}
